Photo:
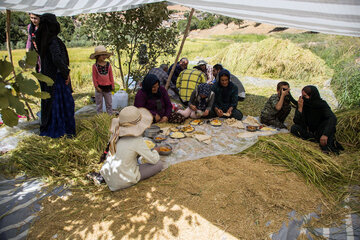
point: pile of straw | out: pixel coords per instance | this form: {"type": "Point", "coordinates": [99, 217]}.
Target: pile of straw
{"type": "Point", "coordinates": [348, 128]}
{"type": "Point", "coordinates": [63, 160]}
{"type": "Point", "coordinates": [274, 58]}
{"type": "Point", "coordinates": [306, 159]}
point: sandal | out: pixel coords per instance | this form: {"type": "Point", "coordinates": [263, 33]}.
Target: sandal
{"type": "Point", "coordinates": [96, 178]}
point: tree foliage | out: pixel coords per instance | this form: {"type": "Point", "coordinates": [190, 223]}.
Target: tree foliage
{"type": "Point", "coordinates": [126, 31]}
{"type": "Point", "coordinates": [15, 87]}
{"type": "Point", "coordinates": [18, 27]}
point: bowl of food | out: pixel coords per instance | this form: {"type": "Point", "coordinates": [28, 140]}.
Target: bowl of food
{"type": "Point", "coordinates": [165, 149]}
{"type": "Point", "coordinates": [252, 128]}
{"type": "Point", "coordinates": [160, 138]}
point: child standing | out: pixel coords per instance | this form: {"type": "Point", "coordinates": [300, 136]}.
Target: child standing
{"type": "Point", "coordinates": [103, 79]}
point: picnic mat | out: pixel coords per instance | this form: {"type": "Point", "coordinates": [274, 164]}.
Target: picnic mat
{"type": "Point", "coordinates": [213, 140]}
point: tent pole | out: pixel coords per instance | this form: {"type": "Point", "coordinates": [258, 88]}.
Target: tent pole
{"type": "Point", "coordinates": [8, 16]}
{"type": "Point", "coordinates": [180, 49]}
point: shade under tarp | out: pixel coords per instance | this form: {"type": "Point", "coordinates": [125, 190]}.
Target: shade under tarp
{"type": "Point", "coordinates": [340, 17]}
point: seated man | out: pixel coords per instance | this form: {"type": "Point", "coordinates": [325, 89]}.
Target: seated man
{"type": "Point", "coordinates": [241, 90]}
{"type": "Point", "coordinates": [278, 106]}
{"type": "Point", "coordinates": [161, 73]}
{"type": "Point", "coordinates": [226, 97]}
{"type": "Point", "coordinates": [187, 81]}
{"type": "Point", "coordinates": [180, 66]}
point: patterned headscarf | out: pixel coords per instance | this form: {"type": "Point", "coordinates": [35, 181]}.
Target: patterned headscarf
{"type": "Point", "coordinates": [204, 89]}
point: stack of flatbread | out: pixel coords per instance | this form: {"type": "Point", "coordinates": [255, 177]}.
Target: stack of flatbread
{"type": "Point", "coordinates": [202, 138]}
{"type": "Point", "coordinates": [232, 122]}
{"type": "Point", "coordinates": [250, 120]}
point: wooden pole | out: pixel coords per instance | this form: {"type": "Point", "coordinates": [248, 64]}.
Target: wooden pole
{"type": "Point", "coordinates": [180, 49]}
{"type": "Point", "coordinates": [8, 17]}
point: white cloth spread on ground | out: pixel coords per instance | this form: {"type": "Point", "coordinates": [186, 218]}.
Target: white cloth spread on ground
{"type": "Point", "coordinates": [225, 139]}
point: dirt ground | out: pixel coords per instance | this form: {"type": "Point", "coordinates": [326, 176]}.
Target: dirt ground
{"type": "Point", "coordinates": [221, 197]}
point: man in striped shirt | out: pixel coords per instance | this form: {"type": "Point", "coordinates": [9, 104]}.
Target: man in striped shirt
{"type": "Point", "coordinates": [161, 73]}
{"type": "Point", "coordinates": [187, 82]}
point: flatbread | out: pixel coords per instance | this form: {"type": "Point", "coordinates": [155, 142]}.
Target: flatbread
{"type": "Point", "coordinates": [177, 135]}
{"type": "Point", "coordinates": [250, 120]}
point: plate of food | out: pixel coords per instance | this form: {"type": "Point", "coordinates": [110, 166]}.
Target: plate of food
{"type": "Point", "coordinates": [149, 143]}
{"type": "Point", "coordinates": [187, 129]}
{"type": "Point", "coordinates": [174, 129]}
{"type": "Point", "coordinates": [252, 128]}
{"type": "Point", "coordinates": [165, 149]}
{"type": "Point", "coordinates": [196, 122]}
{"type": "Point", "coordinates": [177, 135]}
{"type": "Point", "coordinates": [159, 138]}
{"type": "Point", "coordinates": [215, 122]}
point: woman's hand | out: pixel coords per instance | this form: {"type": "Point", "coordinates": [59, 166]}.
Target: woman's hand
{"type": "Point", "coordinates": [300, 104]}
{"type": "Point", "coordinates": [219, 112]}
{"type": "Point", "coordinates": [98, 89]}
{"type": "Point", "coordinates": [205, 113]}
{"type": "Point", "coordinates": [323, 140]}
{"type": "Point", "coordinates": [229, 111]}
{"type": "Point", "coordinates": [164, 119]}
{"type": "Point", "coordinates": [68, 80]}
{"type": "Point", "coordinates": [193, 107]}
{"type": "Point", "coordinates": [157, 118]}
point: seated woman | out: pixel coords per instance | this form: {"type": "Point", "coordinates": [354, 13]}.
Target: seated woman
{"type": "Point", "coordinates": [121, 169]}
{"type": "Point", "coordinates": [315, 121]}
{"type": "Point", "coordinates": [200, 103]}
{"type": "Point", "coordinates": [278, 106]}
{"type": "Point", "coordinates": [226, 97]}
{"type": "Point", "coordinates": [155, 98]}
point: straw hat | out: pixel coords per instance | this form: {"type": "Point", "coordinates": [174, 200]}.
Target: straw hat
{"type": "Point", "coordinates": [99, 50]}
{"type": "Point", "coordinates": [132, 121]}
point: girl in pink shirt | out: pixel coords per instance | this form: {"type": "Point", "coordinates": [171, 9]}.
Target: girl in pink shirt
{"type": "Point", "coordinates": [103, 79]}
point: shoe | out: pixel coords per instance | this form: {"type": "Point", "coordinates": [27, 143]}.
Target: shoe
{"type": "Point", "coordinates": [96, 178]}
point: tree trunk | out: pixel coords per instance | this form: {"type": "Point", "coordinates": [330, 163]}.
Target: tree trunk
{"type": "Point", "coordinates": [8, 17]}
{"type": "Point", "coordinates": [120, 67]}
{"type": "Point", "coordinates": [167, 85]}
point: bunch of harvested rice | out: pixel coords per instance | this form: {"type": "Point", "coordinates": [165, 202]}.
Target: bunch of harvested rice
{"type": "Point", "coordinates": [305, 159]}
{"type": "Point", "coordinates": [348, 128]}
{"type": "Point", "coordinates": [64, 160]}
{"type": "Point", "coordinates": [274, 58]}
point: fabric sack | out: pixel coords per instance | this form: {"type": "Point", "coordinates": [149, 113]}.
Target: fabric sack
{"type": "Point", "coordinates": [176, 118]}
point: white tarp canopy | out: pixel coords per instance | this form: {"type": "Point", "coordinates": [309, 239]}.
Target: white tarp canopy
{"type": "Point", "coordinates": [340, 17]}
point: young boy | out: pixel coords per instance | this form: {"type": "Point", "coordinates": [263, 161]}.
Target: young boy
{"type": "Point", "coordinates": [278, 107]}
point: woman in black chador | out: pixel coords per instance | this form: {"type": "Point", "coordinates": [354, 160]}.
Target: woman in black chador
{"type": "Point", "coordinates": [57, 112]}
{"type": "Point", "coordinates": [315, 121]}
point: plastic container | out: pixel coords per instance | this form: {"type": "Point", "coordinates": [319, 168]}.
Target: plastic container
{"type": "Point", "coordinates": [120, 99]}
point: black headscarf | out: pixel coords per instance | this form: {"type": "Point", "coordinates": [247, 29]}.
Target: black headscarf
{"type": "Point", "coordinates": [315, 101]}
{"type": "Point", "coordinates": [149, 81]}
{"type": "Point", "coordinates": [49, 28]}
{"type": "Point", "coordinates": [225, 91]}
